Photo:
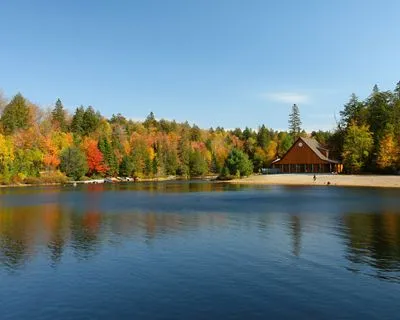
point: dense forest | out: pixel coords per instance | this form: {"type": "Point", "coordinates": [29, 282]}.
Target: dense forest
{"type": "Point", "coordinates": [38, 145]}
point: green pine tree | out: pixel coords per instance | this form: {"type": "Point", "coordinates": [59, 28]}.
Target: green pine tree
{"type": "Point", "coordinates": [16, 115]}
{"type": "Point", "coordinates": [238, 164]}
{"type": "Point", "coordinates": [197, 164]}
{"type": "Point", "coordinates": [110, 159]}
{"type": "Point", "coordinates": [295, 122]}
{"type": "Point", "coordinates": [77, 121]}
{"type": "Point", "coordinates": [126, 166]}
{"type": "Point", "coordinates": [263, 137]}
{"type": "Point", "coordinates": [91, 120]}
{"type": "Point", "coordinates": [58, 116]}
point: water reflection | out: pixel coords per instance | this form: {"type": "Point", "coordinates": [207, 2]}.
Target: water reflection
{"type": "Point", "coordinates": [370, 242]}
{"type": "Point", "coordinates": [295, 226]}
{"type": "Point", "coordinates": [371, 239]}
{"type": "Point", "coordinates": [373, 242]}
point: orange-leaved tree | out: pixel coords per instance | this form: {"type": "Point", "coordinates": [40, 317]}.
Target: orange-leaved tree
{"type": "Point", "coordinates": [94, 157]}
{"type": "Point", "coordinates": [51, 157]}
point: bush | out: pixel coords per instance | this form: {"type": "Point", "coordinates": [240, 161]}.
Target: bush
{"type": "Point", "coordinates": [52, 177]}
{"type": "Point", "coordinates": [225, 174]}
{"type": "Point", "coordinates": [237, 164]}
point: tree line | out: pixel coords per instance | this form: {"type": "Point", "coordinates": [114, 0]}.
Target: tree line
{"type": "Point", "coordinates": [38, 145]}
{"type": "Point", "coordinates": [368, 134]}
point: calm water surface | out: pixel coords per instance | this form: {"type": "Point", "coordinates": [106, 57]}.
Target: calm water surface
{"type": "Point", "coordinates": [199, 251]}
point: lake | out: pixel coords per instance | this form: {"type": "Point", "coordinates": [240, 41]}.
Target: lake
{"type": "Point", "coordinates": [179, 250]}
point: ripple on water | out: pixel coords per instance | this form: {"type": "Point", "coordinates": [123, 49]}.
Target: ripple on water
{"type": "Point", "coordinates": [199, 250]}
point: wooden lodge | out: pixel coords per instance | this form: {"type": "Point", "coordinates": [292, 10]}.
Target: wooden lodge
{"type": "Point", "coordinates": [306, 155]}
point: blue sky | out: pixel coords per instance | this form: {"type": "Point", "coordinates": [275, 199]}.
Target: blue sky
{"type": "Point", "coordinates": [216, 63]}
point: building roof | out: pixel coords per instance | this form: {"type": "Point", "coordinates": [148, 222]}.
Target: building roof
{"type": "Point", "coordinates": [315, 147]}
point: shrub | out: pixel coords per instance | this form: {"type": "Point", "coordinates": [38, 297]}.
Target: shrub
{"type": "Point", "coordinates": [238, 164]}
{"type": "Point", "coordinates": [52, 177]}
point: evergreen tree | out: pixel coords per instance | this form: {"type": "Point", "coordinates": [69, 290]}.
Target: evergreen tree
{"type": "Point", "coordinates": [263, 137]}
{"type": "Point", "coordinates": [397, 91]}
{"type": "Point", "coordinates": [110, 160]}
{"type": "Point", "coordinates": [165, 126]}
{"type": "Point", "coordinates": [150, 121]}
{"type": "Point", "coordinates": [295, 122]}
{"type": "Point", "coordinates": [171, 161]}
{"type": "Point", "coordinates": [73, 163]}
{"type": "Point", "coordinates": [250, 147]}
{"type": "Point", "coordinates": [215, 168]}
{"type": "Point", "coordinates": [321, 136]}
{"type": "Point", "coordinates": [195, 133]}
{"type": "Point", "coordinates": [58, 116]}
{"type": "Point", "coordinates": [238, 133]}
{"type": "Point", "coordinates": [118, 119]}
{"type": "Point", "coordinates": [247, 133]}
{"type": "Point", "coordinates": [197, 164]}
{"type": "Point", "coordinates": [156, 168]}
{"type": "Point", "coordinates": [208, 144]}
{"type": "Point", "coordinates": [91, 120]}
{"type": "Point", "coordinates": [238, 164]}
{"type": "Point", "coordinates": [379, 113]}
{"type": "Point", "coordinates": [16, 115]}
{"type": "Point", "coordinates": [354, 110]}
{"type": "Point", "coordinates": [140, 158]}
{"type": "Point", "coordinates": [184, 157]}
{"type": "Point", "coordinates": [77, 126]}
{"type": "Point", "coordinates": [126, 166]}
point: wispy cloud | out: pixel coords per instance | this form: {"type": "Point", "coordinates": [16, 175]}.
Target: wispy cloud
{"type": "Point", "coordinates": [286, 97]}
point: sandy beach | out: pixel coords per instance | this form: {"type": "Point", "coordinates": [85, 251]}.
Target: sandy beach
{"type": "Point", "coordinates": [389, 181]}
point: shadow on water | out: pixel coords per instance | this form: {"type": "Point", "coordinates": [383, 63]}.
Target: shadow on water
{"type": "Point", "coordinates": [50, 222]}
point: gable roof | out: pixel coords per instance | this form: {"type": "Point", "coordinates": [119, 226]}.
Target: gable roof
{"type": "Point", "coordinates": [314, 146]}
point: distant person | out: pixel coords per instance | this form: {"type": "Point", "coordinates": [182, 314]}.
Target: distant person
{"type": "Point", "coordinates": [315, 178]}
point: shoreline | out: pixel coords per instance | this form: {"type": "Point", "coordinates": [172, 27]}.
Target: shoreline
{"type": "Point", "coordinates": [381, 181]}
{"type": "Point", "coordinates": [209, 178]}
{"type": "Point", "coordinates": [378, 181]}
{"type": "Point", "coordinates": [25, 185]}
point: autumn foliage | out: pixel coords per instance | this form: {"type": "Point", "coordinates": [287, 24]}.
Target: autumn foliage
{"type": "Point", "coordinates": [95, 160]}
{"type": "Point", "coordinates": [81, 143]}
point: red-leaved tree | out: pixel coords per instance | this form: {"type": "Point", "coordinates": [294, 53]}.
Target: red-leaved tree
{"type": "Point", "coordinates": [94, 157]}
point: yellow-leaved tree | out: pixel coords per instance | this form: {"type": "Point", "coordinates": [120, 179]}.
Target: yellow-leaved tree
{"type": "Point", "coordinates": [388, 152]}
{"type": "Point", "coordinates": [6, 158]}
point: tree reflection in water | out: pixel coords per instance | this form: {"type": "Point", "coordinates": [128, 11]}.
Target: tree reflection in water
{"type": "Point", "coordinates": [372, 241]}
